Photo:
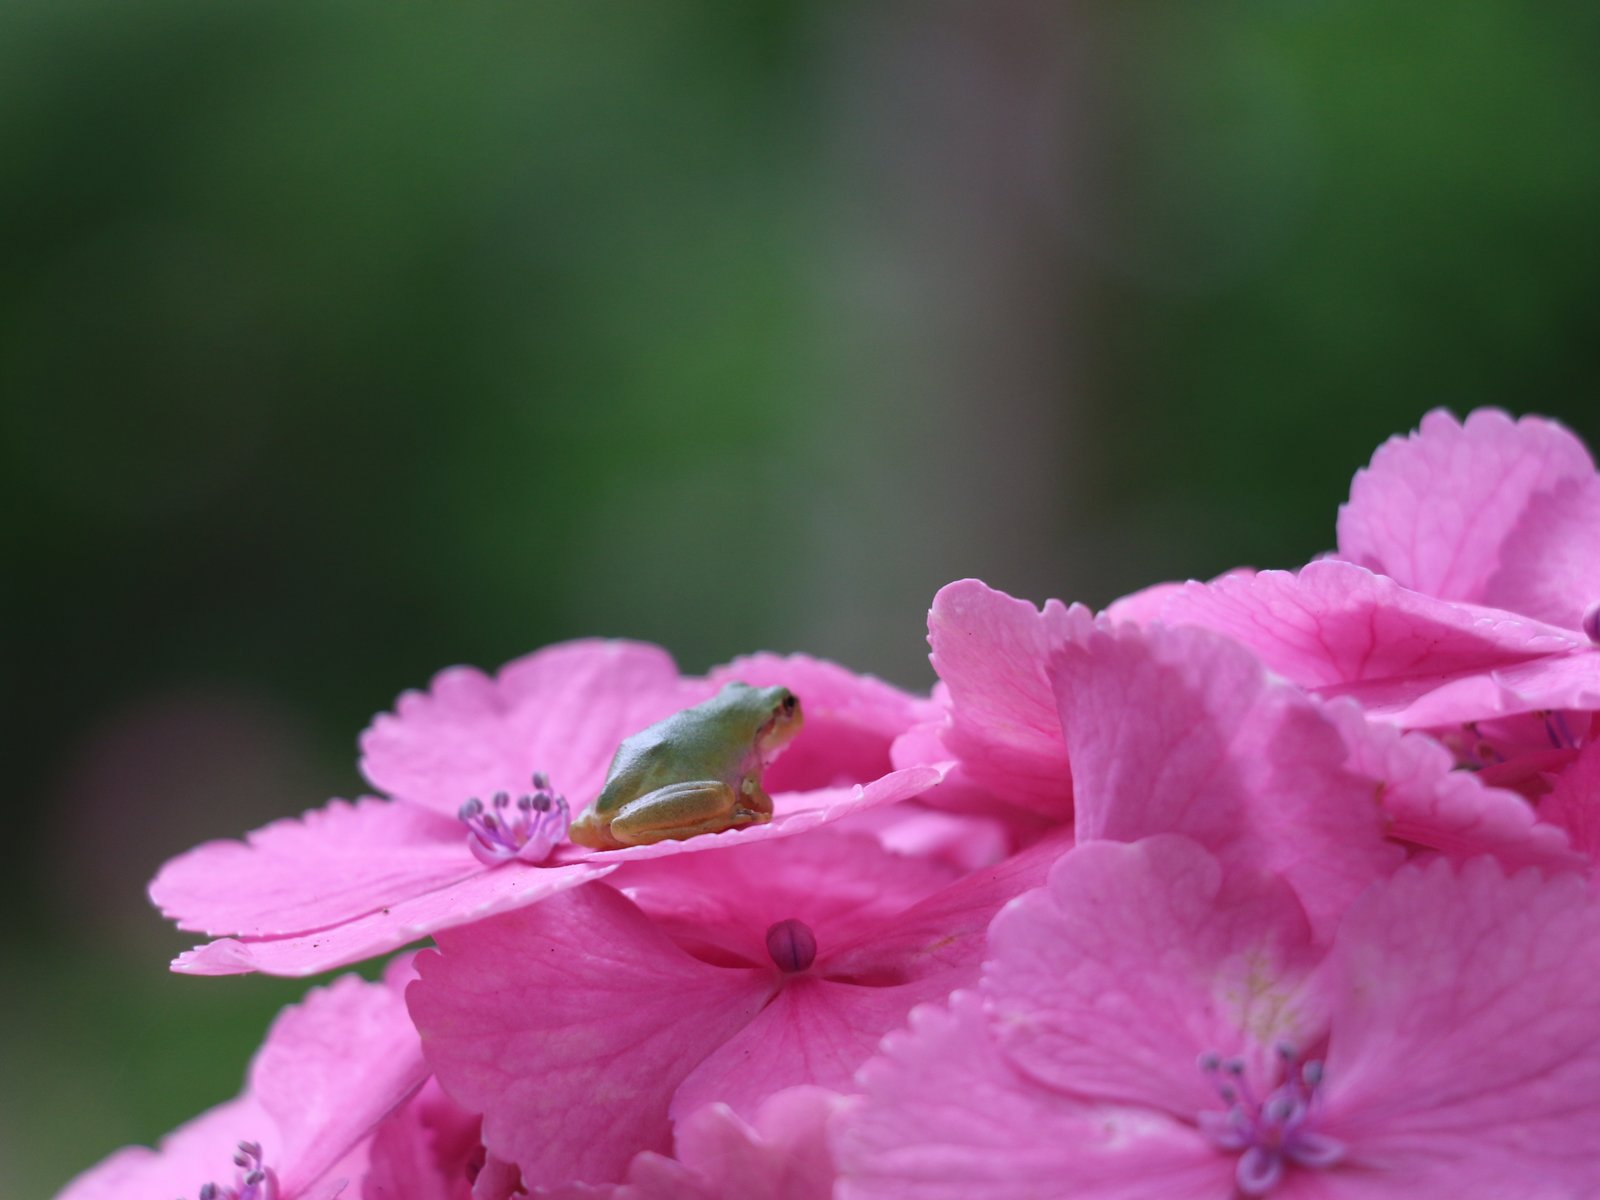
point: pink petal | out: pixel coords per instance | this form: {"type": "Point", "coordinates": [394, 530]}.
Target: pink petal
{"type": "Point", "coordinates": [794, 812]}
{"type": "Point", "coordinates": [1435, 510]}
{"type": "Point", "coordinates": [196, 1153]}
{"type": "Point", "coordinates": [1428, 802]}
{"type": "Point", "coordinates": [1179, 731]}
{"type": "Point", "coordinates": [1568, 681]}
{"type": "Point", "coordinates": [570, 1025]}
{"type": "Point", "coordinates": [813, 1032]}
{"type": "Point", "coordinates": [1338, 626]}
{"type": "Point", "coordinates": [942, 937]}
{"type": "Point", "coordinates": [1463, 1048]}
{"type": "Point", "coordinates": [782, 1154]}
{"type": "Point", "coordinates": [332, 1067]}
{"type": "Point", "coordinates": [839, 884]}
{"type": "Point", "coordinates": [947, 1117]}
{"type": "Point", "coordinates": [300, 874]}
{"type": "Point", "coordinates": [992, 651]}
{"type": "Point", "coordinates": [491, 891]}
{"type": "Point", "coordinates": [916, 831]}
{"type": "Point", "coordinates": [1550, 564]}
{"type": "Point", "coordinates": [1574, 803]}
{"type": "Point", "coordinates": [850, 720]}
{"type": "Point", "coordinates": [562, 710]}
{"type": "Point", "coordinates": [423, 1150]}
{"type": "Point", "coordinates": [1134, 960]}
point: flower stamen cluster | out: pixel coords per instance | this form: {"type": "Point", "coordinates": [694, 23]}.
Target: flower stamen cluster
{"type": "Point", "coordinates": [526, 830]}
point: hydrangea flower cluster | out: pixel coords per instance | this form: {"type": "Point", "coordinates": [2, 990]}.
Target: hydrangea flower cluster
{"type": "Point", "coordinates": [1278, 885]}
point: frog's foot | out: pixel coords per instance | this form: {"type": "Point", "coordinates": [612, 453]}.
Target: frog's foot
{"type": "Point", "coordinates": [685, 810]}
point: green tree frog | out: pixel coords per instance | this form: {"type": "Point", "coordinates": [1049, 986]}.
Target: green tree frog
{"type": "Point", "coordinates": [697, 771]}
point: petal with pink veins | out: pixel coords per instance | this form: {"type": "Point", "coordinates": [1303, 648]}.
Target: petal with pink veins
{"type": "Point", "coordinates": [562, 710]}
{"type": "Point", "coordinates": [1180, 731]}
{"type": "Point", "coordinates": [298, 874]}
{"type": "Point", "coordinates": [1428, 801]}
{"type": "Point", "coordinates": [946, 1116]}
{"type": "Point", "coordinates": [491, 891]}
{"type": "Point", "coordinates": [1462, 1046]}
{"type": "Point", "coordinates": [1550, 565]}
{"type": "Point", "coordinates": [1438, 511]}
{"type": "Point", "coordinates": [1334, 625]}
{"type": "Point", "coordinates": [1574, 803]}
{"type": "Point", "coordinates": [992, 652]}
{"type": "Point", "coordinates": [570, 1025]}
{"type": "Point", "coordinates": [841, 885]}
{"type": "Point", "coordinates": [1134, 959]}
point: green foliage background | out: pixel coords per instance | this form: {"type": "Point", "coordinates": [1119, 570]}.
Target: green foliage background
{"type": "Point", "coordinates": [342, 342]}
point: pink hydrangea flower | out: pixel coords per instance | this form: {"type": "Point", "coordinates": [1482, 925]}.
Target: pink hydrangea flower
{"type": "Point", "coordinates": [1466, 587]}
{"type": "Point", "coordinates": [1151, 1024]}
{"type": "Point", "coordinates": [353, 880]}
{"type": "Point", "coordinates": [330, 1069]}
{"type": "Point", "coordinates": [1178, 730]}
{"type": "Point", "coordinates": [584, 1027]}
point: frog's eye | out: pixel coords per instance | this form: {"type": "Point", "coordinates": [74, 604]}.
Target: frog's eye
{"type": "Point", "coordinates": [790, 702]}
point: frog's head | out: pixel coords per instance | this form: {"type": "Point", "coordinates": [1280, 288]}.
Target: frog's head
{"type": "Point", "coordinates": [781, 720]}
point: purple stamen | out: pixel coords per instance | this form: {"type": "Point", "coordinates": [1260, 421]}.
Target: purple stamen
{"type": "Point", "coordinates": [525, 831]}
{"type": "Point", "coordinates": [255, 1181]}
{"type": "Point", "coordinates": [1271, 1133]}
{"type": "Point", "coordinates": [1591, 622]}
{"type": "Point", "coordinates": [792, 945]}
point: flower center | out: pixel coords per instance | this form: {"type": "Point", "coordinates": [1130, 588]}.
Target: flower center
{"type": "Point", "coordinates": [254, 1182]}
{"type": "Point", "coordinates": [1270, 1132]}
{"type": "Point", "coordinates": [792, 945]}
{"type": "Point", "coordinates": [526, 830]}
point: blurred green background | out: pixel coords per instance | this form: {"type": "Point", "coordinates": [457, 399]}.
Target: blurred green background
{"type": "Point", "coordinates": [342, 342]}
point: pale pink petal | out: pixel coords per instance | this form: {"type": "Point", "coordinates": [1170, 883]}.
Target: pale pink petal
{"type": "Point", "coordinates": [1568, 681]}
{"type": "Point", "coordinates": [1435, 510]}
{"type": "Point", "coordinates": [946, 1117]}
{"type": "Point", "coordinates": [305, 873]}
{"type": "Point", "coordinates": [562, 710]}
{"type": "Point", "coordinates": [793, 812]}
{"type": "Point", "coordinates": [850, 720]}
{"type": "Point", "coordinates": [841, 885]}
{"type": "Point", "coordinates": [1337, 625]}
{"type": "Point", "coordinates": [493, 890]}
{"type": "Point", "coordinates": [1136, 959]}
{"type": "Point", "coordinates": [569, 1025]}
{"type": "Point", "coordinates": [1428, 802]}
{"type": "Point", "coordinates": [992, 651]}
{"type": "Point", "coordinates": [1550, 564]}
{"type": "Point", "coordinates": [332, 1067]}
{"type": "Point", "coordinates": [198, 1152]}
{"type": "Point", "coordinates": [1464, 1043]}
{"type": "Point", "coordinates": [1574, 803]}
{"type": "Point", "coordinates": [1180, 731]}
{"type": "Point", "coordinates": [781, 1154]}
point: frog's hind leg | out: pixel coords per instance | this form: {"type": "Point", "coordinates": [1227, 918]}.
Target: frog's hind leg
{"type": "Point", "coordinates": [682, 810]}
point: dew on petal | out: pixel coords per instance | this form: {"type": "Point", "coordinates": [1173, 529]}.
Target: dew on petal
{"type": "Point", "coordinates": [525, 830]}
{"type": "Point", "coordinates": [792, 945]}
{"type": "Point", "coordinates": [1269, 1133]}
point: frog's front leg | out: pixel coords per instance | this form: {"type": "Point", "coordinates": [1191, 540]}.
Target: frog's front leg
{"type": "Point", "coordinates": [682, 810]}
